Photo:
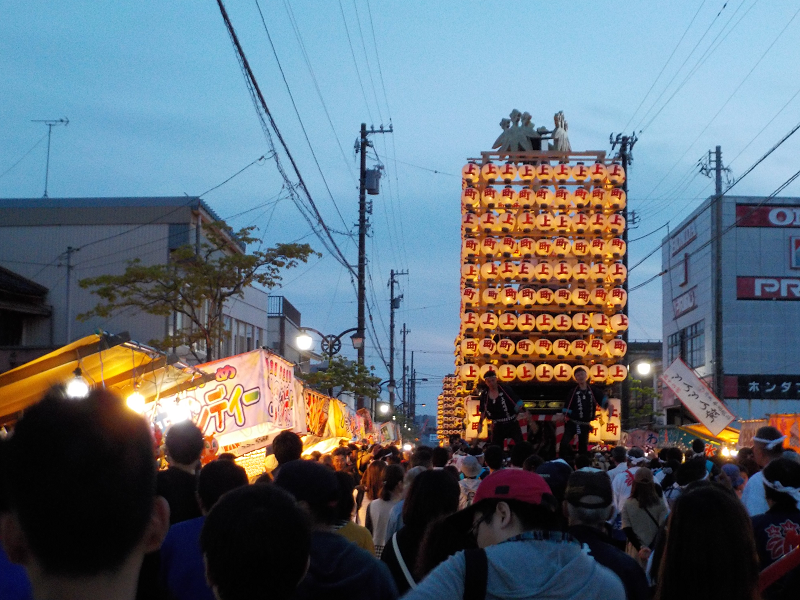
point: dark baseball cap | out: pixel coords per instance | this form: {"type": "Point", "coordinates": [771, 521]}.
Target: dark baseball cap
{"type": "Point", "coordinates": [555, 473]}
{"type": "Point", "coordinates": [589, 490]}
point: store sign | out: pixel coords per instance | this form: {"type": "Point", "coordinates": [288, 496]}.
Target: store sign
{"type": "Point", "coordinates": [696, 397]}
{"type": "Point", "coordinates": [683, 238]}
{"type": "Point", "coordinates": [768, 387]}
{"type": "Point", "coordinates": [767, 288]}
{"type": "Point", "coordinates": [748, 215]}
{"type": "Point", "coordinates": [794, 252]}
{"type": "Point", "coordinates": [685, 303]}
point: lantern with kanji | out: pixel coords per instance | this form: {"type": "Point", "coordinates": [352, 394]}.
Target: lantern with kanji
{"type": "Point", "coordinates": [598, 373]}
{"type": "Point", "coordinates": [562, 372]}
{"type": "Point", "coordinates": [599, 321]}
{"type": "Point", "coordinates": [544, 322]}
{"type": "Point", "coordinates": [525, 247]}
{"type": "Point", "coordinates": [526, 372]}
{"type": "Point", "coordinates": [506, 373]}
{"type": "Point", "coordinates": [489, 247]}
{"type": "Point", "coordinates": [597, 347]}
{"type": "Point", "coordinates": [562, 297]}
{"type": "Point", "coordinates": [487, 347]}
{"type": "Point", "coordinates": [578, 348]}
{"type": "Point", "coordinates": [527, 173]}
{"type": "Point", "coordinates": [562, 247]}
{"type": "Point", "coordinates": [526, 322]}
{"type": "Point", "coordinates": [526, 222]}
{"type": "Point", "coordinates": [506, 222]}
{"type": "Point", "coordinates": [562, 223]}
{"type": "Point", "coordinates": [544, 173]}
{"type": "Point", "coordinates": [561, 348]}
{"type": "Point", "coordinates": [508, 246]}
{"type": "Point", "coordinates": [598, 273]}
{"type": "Point", "coordinates": [526, 297]}
{"type": "Point", "coordinates": [469, 297]}
{"type": "Point", "coordinates": [580, 247]}
{"type": "Point", "coordinates": [597, 199]}
{"type": "Point", "coordinates": [615, 223]}
{"type": "Point", "coordinates": [618, 322]}
{"type": "Point", "coordinates": [562, 172]}
{"type": "Point", "coordinates": [581, 198]}
{"type": "Point", "coordinates": [616, 174]}
{"type": "Point", "coordinates": [470, 198]}
{"type": "Point", "coordinates": [580, 273]}
{"type": "Point", "coordinates": [581, 322]}
{"type": "Point", "coordinates": [486, 368]}
{"type": "Point", "coordinates": [508, 296]}
{"type": "Point", "coordinates": [506, 347]}
{"type": "Point", "coordinates": [489, 172]}
{"type": "Point", "coordinates": [598, 173]}
{"type": "Point", "coordinates": [488, 222]}
{"type": "Point", "coordinates": [526, 198]}
{"type": "Point", "coordinates": [618, 297]}
{"type": "Point", "coordinates": [490, 296]}
{"type": "Point", "coordinates": [470, 247]}
{"type": "Point", "coordinates": [470, 222]}
{"type": "Point", "coordinates": [597, 223]}
{"type": "Point", "coordinates": [617, 348]}
{"type": "Point", "coordinates": [542, 347]}
{"type": "Point", "coordinates": [597, 248]}
{"type": "Point", "coordinates": [563, 199]}
{"type": "Point", "coordinates": [471, 172]}
{"type": "Point", "coordinates": [508, 321]}
{"type": "Point", "coordinates": [544, 221]}
{"type": "Point", "coordinates": [544, 296]}
{"type": "Point", "coordinates": [616, 247]}
{"type": "Point", "coordinates": [525, 272]}
{"type": "Point", "coordinates": [616, 199]}
{"type": "Point", "coordinates": [618, 373]}
{"type": "Point", "coordinates": [580, 222]}
{"type": "Point", "coordinates": [508, 172]}
{"type": "Point", "coordinates": [469, 346]}
{"type": "Point", "coordinates": [598, 296]}
{"type": "Point", "coordinates": [562, 271]}
{"type": "Point", "coordinates": [468, 372]}
{"type": "Point", "coordinates": [544, 372]}
{"type": "Point", "coordinates": [580, 296]}
{"type": "Point", "coordinates": [508, 197]}
{"type": "Point", "coordinates": [543, 272]}
{"type": "Point", "coordinates": [508, 271]}
{"type": "Point", "coordinates": [488, 321]}
{"type": "Point", "coordinates": [617, 273]}
{"type": "Point", "coordinates": [544, 198]}
{"type": "Point", "coordinates": [489, 196]}
{"type": "Point", "coordinates": [544, 248]}
{"type": "Point", "coordinates": [470, 272]}
{"type": "Point", "coordinates": [524, 347]}
{"type": "Point", "coordinates": [469, 322]}
{"type": "Point", "coordinates": [580, 172]}
{"type": "Point", "coordinates": [489, 271]}
{"type": "Point", "coordinates": [562, 322]}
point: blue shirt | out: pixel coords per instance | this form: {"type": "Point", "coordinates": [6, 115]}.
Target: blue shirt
{"type": "Point", "coordinates": [182, 569]}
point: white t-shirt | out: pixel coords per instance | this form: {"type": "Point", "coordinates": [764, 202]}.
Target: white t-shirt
{"type": "Point", "coordinates": [753, 497]}
{"type": "Point", "coordinates": [622, 485]}
{"type": "Point", "coordinates": [379, 512]}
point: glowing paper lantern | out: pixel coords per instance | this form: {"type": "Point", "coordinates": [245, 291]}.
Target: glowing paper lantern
{"type": "Point", "coordinates": [580, 247]}
{"type": "Point", "coordinates": [471, 172]}
{"type": "Point", "coordinates": [561, 349]}
{"type": "Point", "coordinates": [561, 247]}
{"type": "Point", "coordinates": [508, 321]}
{"type": "Point", "coordinates": [488, 321]}
{"type": "Point", "coordinates": [598, 272]}
{"type": "Point", "coordinates": [597, 223]}
{"type": "Point", "coordinates": [581, 322]}
{"type": "Point", "coordinates": [489, 196]}
{"type": "Point", "coordinates": [526, 297]}
{"type": "Point", "coordinates": [544, 322]}
{"type": "Point", "coordinates": [524, 347]}
{"type": "Point", "coordinates": [508, 172]}
{"type": "Point", "coordinates": [617, 348]}
{"type": "Point", "coordinates": [544, 373]}
{"type": "Point", "coordinates": [597, 248]}
{"type": "Point", "coordinates": [616, 174]}
{"type": "Point", "coordinates": [562, 322]}
{"type": "Point", "coordinates": [617, 273]}
{"type": "Point", "coordinates": [469, 346]}
{"type": "Point", "coordinates": [581, 198]}
{"type": "Point", "coordinates": [489, 247]}
{"type": "Point", "coordinates": [615, 223]}
{"type": "Point", "coordinates": [561, 173]}
{"type": "Point", "coordinates": [580, 296]}
{"type": "Point", "coordinates": [526, 372]}
{"type": "Point", "coordinates": [544, 296]}
{"type": "Point", "coordinates": [526, 198]}
{"type": "Point", "coordinates": [526, 222]}
{"type": "Point", "coordinates": [525, 247]}
{"type": "Point", "coordinates": [471, 198]}
{"type": "Point", "coordinates": [508, 271]}
{"type": "Point", "coordinates": [598, 173]}
{"type": "Point", "coordinates": [469, 322]}
{"type": "Point", "coordinates": [490, 296]}
{"type": "Point", "coordinates": [470, 248]}
{"type": "Point", "coordinates": [597, 199]}
{"type": "Point", "coordinates": [599, 321]}
{"type": "Point", "coordinates": [542, 347]}
{"type": "Point", "coordinates": [487, 347]}
{"type": "Point", "coordinates": [562, 372]}
{"type": "Point", "coordinates": [618, 322]}
{"type": "Point", "coordinates": [489, 271]}
{"type": "Point", "coordinates": [469, 272]}
{"type": "Point", "coordinates": [543, 272]}
{"type": "Point", "coordinates": [470, 222]}
{"type": "Point", "coordinates": [580, 223]}
{"type": "Point", "coordinates": [544, 198]}
{"type": "Point", "coordinates": [525, 271]}
{"type": "Point", "coordinates": [544, 172]}
{"type": "Point", "coordinates": [562, 297]}
{"type": "Point", "coordinates": [469, 297]}
{"type": "Point", "coordinates": [506, 347]}
{"type": "Point", "coordinates": [618, 373]}
{"type": "Point", "coordinates": [562, 223]}
{"type": "Point", "coordinates": [508, 197]}
{"type": "Point", "coordinates": [544, 221]}
{"type": "Point", "coordinates": [616, 247]}
{"type": "Point", "coordinates": [598, 296]}
{"type": "Point", "coordinates": [598, 373]}
{"type": "Point", "coordinates": [506, 373]}
{"type": "Point", "coordinates": [508, 246]}
{"type": "Point", "coordinates": [526, 172]}
{"type": "Point", "coordinates": [544, 248]}
{"type": "Point", "coordinates": [578, 348]}
{"type": "Point", "coordinates": [506, 222]}
{"type": "Point", "coordinates": [526, 322]}
{"type": "Point", "coordinates": [580, 273]}
{"type": "Point", "coordinates": [618, 297]}
{"type": "Point", "coordinates": [468, 373]}
{"type": "Point", "coordinates": [488, 222]}
{"type": "Point", "coordinates": [489, 172]}
{"type": "Point", "coordinates": [562, 272]}
{"type": "Point", "coordinates": [597, 347]}
{"type": "Point", "coordinates": [616, 199]}
{"type": "Point", "coordinates": [580, 172]}
{"type": "Point", "coordinates": [563, 198]}
{"type": "Point", "coordinates": [508, 296]}
{"type": "Point", "coordinates": [486, 368]}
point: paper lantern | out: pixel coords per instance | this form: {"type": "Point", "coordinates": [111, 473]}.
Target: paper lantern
{"type": "Point", "coordinates": [508, 246]}
{"type": "Point", "coordinates": [616, 199]}
{"type": "Point", "coordinates": [489, 247]}
{"type": "Point", "coordinates": [580, 273]}
{"type": "Point", "coordinates": [562, 223]}
{"type": "Point", "coordinates": [489, 197]}
{"type": "Point", "coordinates": [468, 372]}
{"type": "Point", "coordinates": [598, 296]}
{"type": "Point", "coordinates": [615, 174]}
{"type": "Point", "coordinates": [581, 322]}
{"type": "Point", "coordinates": [489, 172]}
{"type": "Point", "coordinates": [617, 348]}
{"type": "Point", "coordinates": [508, 271]}
{"type": "Point", "coordinates": [561, 247]}
{"type": "Point", "coordinates": [580, 172]}
{"type": "Point", "coordinates": [488, 222]}
{"type": "Point", "coordinates": [542, 347]}
{"type": "Point", "coordinates": [544, 373]}
{"type": "Point", "coordinates": [506, 373]}
{"type": "Point", "coordinates": [598, 373]}
{"type": "Point", "coordinates": [524, 347]}
{"type": "Point", "coordinates": [508, 172]}
{"type": "Point", "coordinates": [471, 198]}
{"type": "Point", "coordinates": [488, 321]}
{"type": "Point", "coordinates": [597, 223]}
{"type": "Point", "coordinates": [544, 172]}
{"type": "Point", "coordinates": [470, 248]}
{"type": "Point", "coordinates": [487, 347]}
{"type": "Point", "coordinates": [508, 321]}
{"type": "Point", "coordinates": [599, 321]}
{"type": "Point", "coordinates": [562, 297]}
{"type": "Point", "coordinates": [561, 172]}
{"type": "Point", "coordinates": [490, 296]}
{"type": "Point", "coordinates": [581, 198]}
{"type": "Point", "coordinates": [469, 346]}
{"type": "Point", "coordinates": [562, 322]}
{"type": "Point", "coordinates": [525, 247]}
{"type": "Point", "coordinates": [578, 348]}
{"type": "Point", "coordinates": [615, 223]}
{"type": "Point", "coordinates": [469, 322]}
{"type": "Point", "coordinates": [618, 322]}
{"type": "Point", "coordinates": [469, 272]}
{"type": "Point", "coordinates": [562, 372]}
{"type": "Point", "coordinates": [471, 172]}
{"type": "Point", "coordinates": [508, 197]}
{"type": "Point", "coordinates": [525, 271]}
{"type": "Point", "coordinates": [544, 198]}
{"type": "Point", "coordinates": [618, 297]}
{"type": "Point", "coordinates": [580, 296]}
{"type": "Point", "coordinates": [561, 348]}
{"type": "Point", "coordinates": [489, 271]}
{"type": "Point", "coordinates": [508, 296]}
{"type": "Point", "coordinates": [598, 273]}
{"type": "Point", "coordinates": [618, 373]}
{"type": "Point", "coordinates": [526, 372]}
{"type": "Point", "coordinates": [506, 222]}
{"type": "Point", "coordinates": [617, 273]}
{"type": "Point", "coordinates": [544, 221]}
{"type": "Point", "coordinates": [562, 272]}
{"type": "Point", "coordinates": [526, 198]}
{"type": "Point", "coordinates": [506, 347]}
{"type": "Point", "coordinates": [543, 272]}
{"type": "Point", "coordinates": [616, 247]}
{"type": "Point", "coordinates": [597, 347]}
{"type": "Point", "coordinates": [486, 368]}
{"type": "Point", "coordinates": [526, 297]}
{"type": "Point", "coordinates": [580, 247]}
{"type": "Point", "coordinates": [470, 222]}
{"type": "Point", "coordinates": [526, 172]}
{"type": "Point", "coordinates": [597, 172]}
{"type": "Point", "coordinates": [597, 248]}
{"type": "Point", "coordinates": [526, 222]}
{"type": "Point", "coordinates": [544, 322]}
{"type": "Point", "coordinates": [526, 322]}
{"type": "Point", "coordinates": [544, 296]}
{"type": "Point", "coordinates": [597, 199]}
{"type": "Point", "coordinates": [544, 248]}
{"type": "Point", "coordinates": [563, 199]}
{"type": "Point", "coordinates": [469, 297]}
{"type": "Point", "coordinates": [580, 222]}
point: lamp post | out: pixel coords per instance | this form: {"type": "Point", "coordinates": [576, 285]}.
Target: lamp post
{"type": "Point", "coordinates": [383, 408]}
{"type": "Point", "coordinates": [330, 344]}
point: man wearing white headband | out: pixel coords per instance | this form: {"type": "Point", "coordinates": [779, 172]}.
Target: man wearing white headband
{"type": "Point", "coordinates": [767, 446]}
{"type": "Point", "coordinates": [623, 482]}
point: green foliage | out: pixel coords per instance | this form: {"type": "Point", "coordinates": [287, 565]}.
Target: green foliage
{"type": "Point", "coordinates": [349, 376]}
{"type": "Point", "coordinates": [195, 283]}
{"type": "Point", "coordinates": [641, 409]}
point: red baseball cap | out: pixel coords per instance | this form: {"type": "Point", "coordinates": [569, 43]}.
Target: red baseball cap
{"type": "Point", "coordinates": [513, 484]}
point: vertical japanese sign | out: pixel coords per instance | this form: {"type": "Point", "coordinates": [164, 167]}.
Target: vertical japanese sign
{"type": "Point", "coordinates": [473, 416]}
{"type": "Point", "coordinates": [607, 427]}
{"type": "Point", "coordinates": [696, 397]}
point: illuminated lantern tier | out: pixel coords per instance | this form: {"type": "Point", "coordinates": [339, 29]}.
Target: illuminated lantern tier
{"type": "Point", "coordinates": [617, 348]}
{"type": "Point", "coordinates": [616, 174]}
{"type": "Point", "coordinates": [471, 172]}
{"type": "Point", "coordinates": [562, 272]}
{"type": "Point", "coordinates": [524, 347]}
{"type": "Point", "coordinates": [506, 373]}
{"type": "Point", "coordinates": [562, 297]}
{"type": "Point", "coordinates": [469, 322]}
{"type": "Point", "coordinates": [597, 347]}
{"type": "Point", "coordinates": [597, 248]}
{"type": "Point", "coordinates": [470, 222]}
{"type": "Point", "coordinates": [470, 248]}
{"type": "Point", "coordinates": [597, 173]}
{"type": "Point", "coordinates": [543, 272]}
{"type": "Point", "coordinates": [544, 373]}
{"type": "Point", "coordinates": [508, 172]}
{"type": "Point", "coordinates": [615, 223]}
{"type": "Point", "coordinates": [598, 296]}
{"type": "Point", "coordinates": [598, 272]}
{"type": "Point", "coordinates": [526, 297]}
{"type": "Point", "coordinates": [506, 222]}
{"type": "Point", "coordinates": [525, 271]}
{"type": "Point", "coordinates": [563, 199]}
{"type": "Point", "coordinates": [526, 222]}
{"type": "Point", "coordinates": [580, 296]}
{"type": "Point", "coordinates": [508, 296]}
{"type": "Point", "coordinates": [488, 321]}
{"type": "Point", "coordinates": [598, 373]}
{"type": "Point", "coordinates": [469, 346]}
{"type": "Point", "coordinates": [508, 271]}
{"type": "Point", "coordinates": [580, 223]}
{"type": "Point", "coordinates": [470, 272]}
{"type": "Point", "coordinates": [581, 321]}
{"type": "Point", "coordinates": [580, 247]}
{"type": "Point", "coordinates": [489, 247]}
{"type": "Point", "coordinates": [544, 173]}
{"type": "Point", "coordinates": [618, 373]}
{"type": "Point", "coordinates": [508, 246]}
{"type": "Point", "coordinates": [544, 322]}
{"type": "Point", "coordinates": [506, 347]}
{"type": "Point", "coordinates": [489, 172]}
{"type": "Point", "coordinates": [581, 198]}
{"type": "Point", "coordinates": [542, 347]}
{"type": "Point", "coordinates": [562, 173]}
{"type": "Point", "coordinates": [471, 198]}
{"type": "Point", "coordinates": [580, 273]}
{"type": "Point", "coordinates": [526, 198]}
{"type": "Point", "coordinates": [485, 369]}
{"type": "Point", "coordinates": [489, 271]}
{"type": "Point", "coordinates": [597, 199]}
{"type": "Point", "coordinates": [617, 273]}
{"type": "Point", "coordinates": [561, 348]}
{"type": "Point", "coordinates": [527, 173]}
{"type": "Point", "coordinates": [597, 223]}
{"type": "Point", "coordinates": [562, 322]}
{"type": "Point", "coordinates": [508, 321]}
{"type": "Point", "coordinates": [544, 221]}
{"type": "Point", "coordinates": [468, 372]}
{"type": "Point", "coordinates": [525, 247]}
{"type": "Point", "coordinates": [490, 296]}
{"type": "Point", "coordinates": [488, 222]}
{"type": "Point", "coordinates": [544, 296]}
{"type": "Point", "coordinates": [616, 199]}
{"type": "Point", "coordinates": [618, 322]}
{"type": "Point", "coordinates": [487, 347]}
{"type": "Point", "coordinates": [561, 247]}
{"type": "Point", "coordinates": [578, 348]}
{"type": "Point", "coordinates": [616, 247]}
{"type": "Point", "coordinates": [544, 248]}
{"type": "Point", "coordinates": [469, 297]}
{"type": "Point", "coordinates": [580, 172]}
{"type": "Point", "coordinates": [508, 197]}
{"type": "Point", "coordinates": [562, 372]}
{"type": "Point", "coordinates": [599, 322]}
{"type": "Point", "coordinates": [618, 297]}
{"type": "Point", "coordinates": [544, 198]}
{"type": "Point", "coordinates": [562, 223]}
{"type": "Point", "coordinates": [489, 197]}
{"type": "Point", "coordinates": [526, 372]}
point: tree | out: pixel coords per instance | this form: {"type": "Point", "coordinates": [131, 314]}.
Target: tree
{"type": "Point", "coordinates": [350, 376]}
{"type": "Point", "coordinates": [642, 413]}
{"type": "Point", "coordinates": [195, 283]}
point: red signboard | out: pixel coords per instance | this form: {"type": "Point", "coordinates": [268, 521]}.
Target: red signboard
{"type": "Point", "coordinates": [767, 288]}
{"type": "Point", "coordinates": [748, 215]}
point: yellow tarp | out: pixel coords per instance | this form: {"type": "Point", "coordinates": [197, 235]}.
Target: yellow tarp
{"type": "Point", "coordinates": [728, 436]}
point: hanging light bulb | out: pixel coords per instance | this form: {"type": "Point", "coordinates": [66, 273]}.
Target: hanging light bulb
{"type": "Point", "coordinates": [135, 401]}
{"type": "Point", "coordinates": [77, 387]}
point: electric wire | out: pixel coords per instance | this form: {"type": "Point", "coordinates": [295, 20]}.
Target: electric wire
{"type": "Point", "coordinates": [378, 61]}
{"type": "Point", "coordinates": [262, 158]}
{"type": "Point", "coordinates": [355, 62]}
{"type": "Point", "coordinates": [366, 59]}
{"type": "Point", "coordinates": [8, 170]}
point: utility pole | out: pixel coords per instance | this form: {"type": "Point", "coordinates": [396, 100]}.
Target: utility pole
{"type": "Point", "coordinates": [50, 124]}
{"type": "Point", "coordinates": [625, 143]}
{"type": "Point", "coordinates": [363, 224]}
{"type": "Point", "coordinates": [716, 231]}
{"type": "Point", "coordinates": [405, 331]}
{"type": "Point", "coordinates": [70, 251]}
{"type": "Point", "coordinates": [394, 304]}
{"type": "Point", "coordinates": [413, 399]}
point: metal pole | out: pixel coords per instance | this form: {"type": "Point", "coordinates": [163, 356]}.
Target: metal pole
{"type": "Point", "coordinates": [391, 338]}
{"type": "Point", "coordinates": [70, 250]}
{"type": "Point", "coordinates": [405, 332]}
{"type": "Point", "coordinates": [718, 365]}
{"type": "Point", "coordinates": [413, 399]}
{"type": "Point", "coordinates": [47, 164]}
{"type": "Point", "coordinates": [362, 251]}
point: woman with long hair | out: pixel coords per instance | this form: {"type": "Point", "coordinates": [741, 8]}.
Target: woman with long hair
{"type": "Point", "coordinates": [380, 509]}
{"type": "Point", "coordinates": [710, 551]}
{"type": "Point", "coordinates": [372, 481]}
{"type": "Point", "coordinates": [642, 515]}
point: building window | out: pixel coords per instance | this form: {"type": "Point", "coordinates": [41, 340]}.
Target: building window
{"type": "Point", "coordinates": [688, 344]}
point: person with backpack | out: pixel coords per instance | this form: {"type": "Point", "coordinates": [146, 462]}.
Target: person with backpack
{"type": "Point", "coordinates": [643, 514]}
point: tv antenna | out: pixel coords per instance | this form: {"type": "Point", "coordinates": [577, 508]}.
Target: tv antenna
{"type": "Point", "coordinates": [50, 124]}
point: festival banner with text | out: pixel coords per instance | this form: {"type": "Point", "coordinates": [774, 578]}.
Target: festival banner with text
{"type": "Point", "coordinates": [696, 397]}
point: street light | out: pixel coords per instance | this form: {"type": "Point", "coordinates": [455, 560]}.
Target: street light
{"type": "Point", "coordinates": [330, 344]}
{"type": "Point", "coordinates": [644, 368]}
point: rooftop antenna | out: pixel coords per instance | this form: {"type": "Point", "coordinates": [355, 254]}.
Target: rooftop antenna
{"type": "Point", "coordinates": [50, 123]}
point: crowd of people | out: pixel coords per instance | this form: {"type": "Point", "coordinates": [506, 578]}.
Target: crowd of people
{"type": "Point", "coordinates": [84, 513]}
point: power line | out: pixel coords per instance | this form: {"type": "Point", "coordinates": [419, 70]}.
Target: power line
{"type": "Point", "coordinates": [239, 172]}
{"type": "Point", "coordinates": [41, 139]}
{"type": "Point", "coordinates": [366, 59]}
{"type": "Point", "coordinates": [355, 62]}
{"type": "Point", "coordinates": [378, 60]}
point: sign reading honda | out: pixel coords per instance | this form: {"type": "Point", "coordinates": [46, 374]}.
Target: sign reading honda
{"type": "Point", "coordinates": [767, 288]}
{"type": "Point", "coordinates": [748, 215]}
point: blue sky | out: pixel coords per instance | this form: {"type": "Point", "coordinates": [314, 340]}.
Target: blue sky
{"type": "Point", "coordinates": [158, 106]}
